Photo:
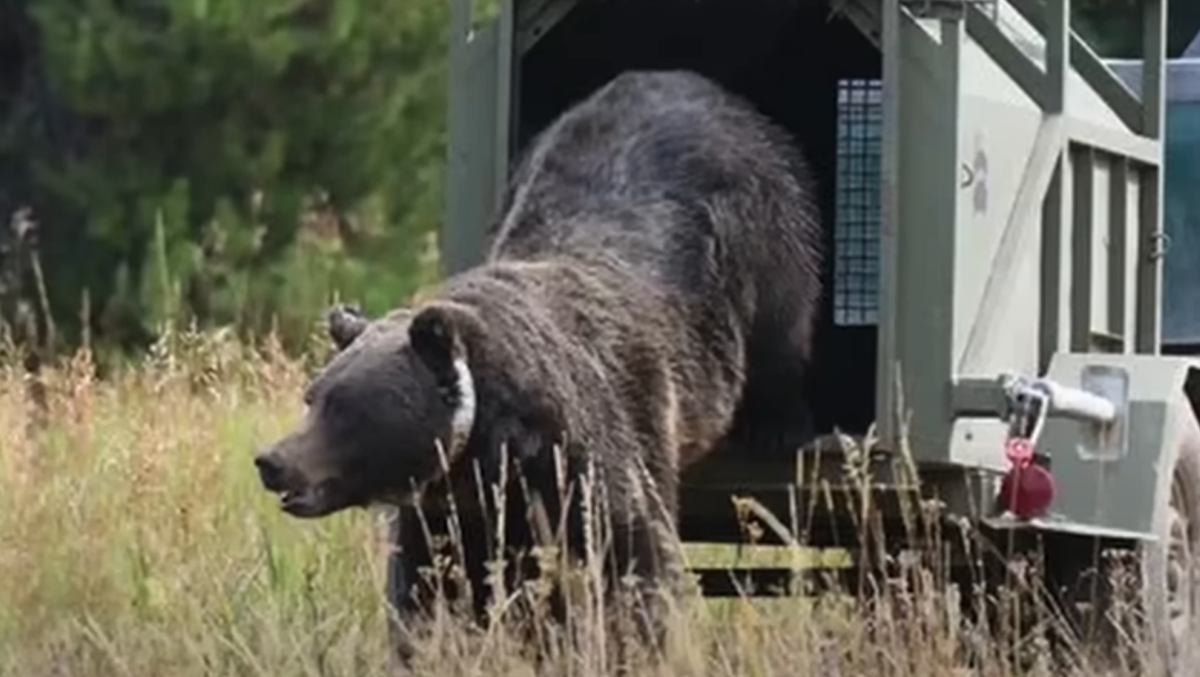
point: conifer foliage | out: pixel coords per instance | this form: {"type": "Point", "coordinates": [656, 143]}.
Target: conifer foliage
{"type": "Point", "coordinates": [222, 160]}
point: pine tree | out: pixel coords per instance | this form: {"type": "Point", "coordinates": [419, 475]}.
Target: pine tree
{"type": "Point", "coordinates": [206, 132]}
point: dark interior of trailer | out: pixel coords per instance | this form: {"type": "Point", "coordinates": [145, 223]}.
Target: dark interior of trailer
{"type": "Point", "coordinates": [816, 75]}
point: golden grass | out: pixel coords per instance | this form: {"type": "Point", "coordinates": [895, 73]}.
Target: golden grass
{"type": "Point", "coordinates": [135, 540]}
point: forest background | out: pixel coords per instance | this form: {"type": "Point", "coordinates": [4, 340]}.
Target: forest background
{"type": "Point", "coordinates": [230, 163]}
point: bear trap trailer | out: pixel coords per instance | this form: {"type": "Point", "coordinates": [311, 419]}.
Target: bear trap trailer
{"type": "Point", "coordinates": [993, 199]}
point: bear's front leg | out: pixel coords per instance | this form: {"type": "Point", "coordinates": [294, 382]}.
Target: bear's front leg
{"type": "Point", "coordinates": [407, 552]}
{"type": "Point", "coordinates": [640, 577]}
{"type": "Point", "coordinates": [409, 596]}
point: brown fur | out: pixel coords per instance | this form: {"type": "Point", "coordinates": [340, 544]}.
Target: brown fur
{"type": "Point", "coordinates": [647, 297]}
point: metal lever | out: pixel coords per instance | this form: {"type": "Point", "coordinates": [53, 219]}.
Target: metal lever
{"type": "Point", "coordinates": [1027, 408]}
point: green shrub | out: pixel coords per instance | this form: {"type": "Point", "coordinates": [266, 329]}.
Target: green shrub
{"type": "Point", "coordinates": [210, 133]}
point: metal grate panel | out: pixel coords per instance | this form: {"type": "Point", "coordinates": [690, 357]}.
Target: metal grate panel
{"type": "Point", "coordinates": [857, 215]}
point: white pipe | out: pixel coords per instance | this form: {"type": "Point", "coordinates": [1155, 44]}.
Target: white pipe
{"type": "Point", "coordinates": [1076, 403]}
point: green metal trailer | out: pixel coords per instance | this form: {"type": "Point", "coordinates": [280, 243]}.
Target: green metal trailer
{"type": "Point", "coordinates": [993, 194]}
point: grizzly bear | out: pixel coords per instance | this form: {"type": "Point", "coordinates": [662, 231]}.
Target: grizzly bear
{"type": "Point", "coordinates": [647, 296]}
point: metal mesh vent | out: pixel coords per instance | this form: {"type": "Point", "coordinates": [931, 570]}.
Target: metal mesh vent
{"type": "Point", "coordinates": [857, 215]}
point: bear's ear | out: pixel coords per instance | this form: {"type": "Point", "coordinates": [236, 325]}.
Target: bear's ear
{"type": "Point", "coordinates": [434, 336]}
{"type": "Point", "coordinates": [345, 325]}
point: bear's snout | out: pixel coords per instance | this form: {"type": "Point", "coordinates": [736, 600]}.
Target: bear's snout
{"type": "Point", "coordinates": [270, 471]}
{"type": "Point", "coordinates": [284, 470]}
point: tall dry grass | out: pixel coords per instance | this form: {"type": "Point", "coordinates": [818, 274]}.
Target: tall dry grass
{"type": "Point", "coordinates": [135, 540]}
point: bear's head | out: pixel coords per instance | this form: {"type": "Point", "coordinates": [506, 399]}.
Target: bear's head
{"type": "Point", "coordinates": [395, 402]}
